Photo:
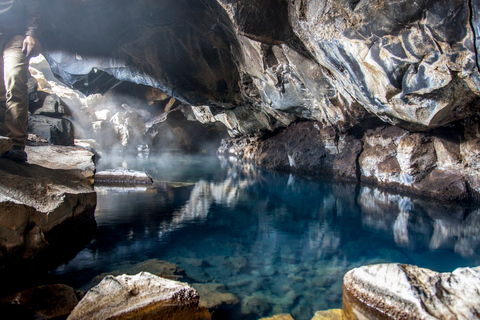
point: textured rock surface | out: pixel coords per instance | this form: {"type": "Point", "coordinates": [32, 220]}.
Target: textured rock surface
{"type": "Point", "coordinates": [260, 64]}
{"type": "Point", "coordinates": [39, 197]}
{"type": "Point", "coordinates": [143, 296]}
{"type": "Point", "coordinates": [349, 67]}
{"type": "Point", "coordinates": [434, 163]}
{"type": "Point", "coordinates": [397, 291]}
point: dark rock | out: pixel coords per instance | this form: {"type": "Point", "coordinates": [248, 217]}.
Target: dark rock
{"type": "Point", "coordinates": [44, 302]}
{"type": "Point", "coordinates": [57, 131]}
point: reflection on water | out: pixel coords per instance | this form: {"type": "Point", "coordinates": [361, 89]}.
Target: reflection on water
{"type": "Point", "coordinates": [281, 244]}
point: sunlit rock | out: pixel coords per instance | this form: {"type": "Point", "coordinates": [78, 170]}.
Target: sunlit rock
{"type": "Point", "coordinates": [404, 291]}
{"type": "Point", "coordinates": [139, 297]}
{"type": "Point", "coordinates": [44, 201]}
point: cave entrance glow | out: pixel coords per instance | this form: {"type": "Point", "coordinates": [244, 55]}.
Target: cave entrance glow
{"type": "Point", "coordinates": [279, 243]}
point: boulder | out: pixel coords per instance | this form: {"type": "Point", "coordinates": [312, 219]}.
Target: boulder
{"type": "Point", "coordinates": [398, 291]}
{"type": "Point", "coordinates": [46, 201]}
{"type": "Point", "coordinates": [53, 301]}
{"type": "Point", "coordinates": [143, 296]}
{"type": "Point", "coordinates": [58, 131]}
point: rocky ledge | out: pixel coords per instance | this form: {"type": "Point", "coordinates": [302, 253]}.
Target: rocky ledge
{"type": "Point", "coordinates": [398, 291]}
{"type": "Point", "coordinates": [45, 202]}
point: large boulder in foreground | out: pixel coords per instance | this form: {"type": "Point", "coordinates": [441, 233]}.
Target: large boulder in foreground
{"type": "Point", "coordinates": [143, 296]}
{"type": "Point", "coordinates": [399, 291]}
{"type": "Point", "coordinates": [45, 201]}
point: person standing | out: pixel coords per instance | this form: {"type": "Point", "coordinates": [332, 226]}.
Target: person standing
{"type": "Point", "coordinates": [19, 27]}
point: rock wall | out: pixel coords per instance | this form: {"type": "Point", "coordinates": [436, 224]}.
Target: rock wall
{"type": "Point", "coordinates": [437, 163]}
{"type": "Point", "coordinates": [351, 68]}
{"type": "Point", "coordinates": [258, 65]}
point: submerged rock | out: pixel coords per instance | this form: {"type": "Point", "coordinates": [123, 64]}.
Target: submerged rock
{"type": "Point", "coordinates": [279, 317]}
{"type": "Point", "coordinates": [332, 314]}
{"type": "Point", "coordinates": [398, 291]}
{"type": "Point", "coordinates": [45, 201]}
{"type": "Point", "coordinates": [143, 296]}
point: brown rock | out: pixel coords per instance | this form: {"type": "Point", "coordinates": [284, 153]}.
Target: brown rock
{"type": "Point", "coordinates": [443, 185]}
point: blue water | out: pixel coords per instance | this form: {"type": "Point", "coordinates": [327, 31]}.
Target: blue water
{"type": "Point", "coordinates": [279, 243]}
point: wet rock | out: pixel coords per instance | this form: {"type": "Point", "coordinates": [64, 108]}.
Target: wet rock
{"type": "Point", "coordinates": [44, 302]}
{"type": "Point", "coordinates": [121, 176]}
{"type": "Point", "coordinates": [45, 201]}
{"type": "Point", "coordinates": [58, 131]}
{"type": "Point", "coordinates": [405, 291]}
{"type": "Point", "coordinates": [139, 297]}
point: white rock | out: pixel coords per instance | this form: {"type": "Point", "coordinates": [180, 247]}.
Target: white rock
{"type": "Point", "coordinates": [143, 296]}
{"type": "Point", "coordinates": [398, 291]}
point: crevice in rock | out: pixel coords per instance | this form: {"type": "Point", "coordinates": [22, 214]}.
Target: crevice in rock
{"type": "Point", "coordinates": [472, 25]}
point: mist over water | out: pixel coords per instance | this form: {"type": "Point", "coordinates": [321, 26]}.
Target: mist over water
{"type": "Point", "coordinates": [279, 243]}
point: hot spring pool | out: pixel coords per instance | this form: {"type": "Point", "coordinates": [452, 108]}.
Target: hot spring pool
{"type": "Point", "coordinates": [279, 243]}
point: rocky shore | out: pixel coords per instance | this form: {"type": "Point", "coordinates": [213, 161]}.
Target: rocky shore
{"type": "Point", "coordinates": [45, 202]}
{"type": "Point", "coordinates": [440, 164]}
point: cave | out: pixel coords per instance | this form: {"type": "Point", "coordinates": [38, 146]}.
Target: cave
{"type": "Point", "coordinates": [303, 159]}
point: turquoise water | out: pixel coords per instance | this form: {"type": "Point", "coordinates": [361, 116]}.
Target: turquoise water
{"type": "Point", "coordinates": [279, 243]}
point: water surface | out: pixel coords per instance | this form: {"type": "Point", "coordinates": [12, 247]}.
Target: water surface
{"type": "Point", "coordinates": [279, 243]}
